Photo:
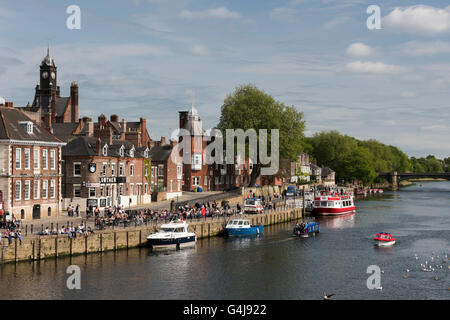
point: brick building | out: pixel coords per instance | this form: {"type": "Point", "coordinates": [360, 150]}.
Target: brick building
{"type": "Point", "coordinates": [30, 166]}
{"type": "Point", "coordinates": [167, 173]}
{"type": "Point", "coordinates": [47, 102]}
{"type": "Point", "coordinates": [103, 173]}
{"type": "Point", "coordinates": [195, 174]}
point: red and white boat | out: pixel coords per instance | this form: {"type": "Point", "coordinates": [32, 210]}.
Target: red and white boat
{"type": "Point", "coordinates": [333, 205]}
{"type": "Point", "coordinates": [384, 239]}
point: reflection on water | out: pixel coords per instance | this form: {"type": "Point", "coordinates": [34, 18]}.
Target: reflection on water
{"type": "Point", "coordinates": [273, 266]}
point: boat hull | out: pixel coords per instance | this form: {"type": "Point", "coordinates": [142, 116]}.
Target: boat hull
{"type": "Point", "coordinates": [160, 243]}
{"type": "Point", "coordinates": [244, 231]}
{"type": "Point", "coordinates": [333, 211]}
{"type": "Point", "coordinates": [384, 243]}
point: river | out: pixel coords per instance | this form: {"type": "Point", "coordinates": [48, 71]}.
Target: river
{"type": "Point", "coordinates": [273, 266]}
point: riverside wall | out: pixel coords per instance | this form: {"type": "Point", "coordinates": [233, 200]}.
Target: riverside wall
{"type": "Point", "coordinates": [45, 247]}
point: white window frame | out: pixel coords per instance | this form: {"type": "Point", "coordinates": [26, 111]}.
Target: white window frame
{"type": "Point", "coordinates": [131, 170]}
{"type": "Point", "coordinates": [52, 159]}
{"type": "Point", "coordinates": [105, 150]}
{"type": "Point", "coordinates": [121, 170]}
{"type": "Point", "coordinates": [196, 161]}
{"type": "Point", "coordinates": [76, 186]}
{"type": "Point", "coordinates": [179, 171]}
{"type": "Point", "coordinates": [113, 169]}
{"type": "Point", "coordinates": [44, 159]}
{"type": "Point", "coordinates": [104, 169]}
{"type": "Point", "coordinates": [36, 189]}
{"type": "Point", "coordinates": [52, 189]}
{"type": "Point", "coordinates": [36, 158]}
{"type": "Point", "coordinates": [44, 189]}
{"type": "Point", "coordinates": [19, 158]}
{"type": "Point", "coordinates": [26, 190]}
{"type": "Point", "coordinates": [74, 164]}
{"type": "Point", "coordinates": [26, 158]}
{"type": "Point", "coordinates": [196, 179]}
{"type": "Point", "coordinates": [90, 192]}
{"type": "Point", "coordinates": [18, 190]}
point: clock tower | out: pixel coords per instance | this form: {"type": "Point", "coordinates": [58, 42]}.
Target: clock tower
{"type": "Point", "coordinates": [47, 83]}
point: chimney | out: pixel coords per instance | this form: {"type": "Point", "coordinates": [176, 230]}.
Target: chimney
{"type": "Point", "coordinates": [124, 125]}
{"type": "Point", "coordinates": [114, 118]}
{"type": "Point", "coordinates": [48, 122]}
{"type": "Point", "coordinates": [163, 141]}
{"type": "Point", "coordinates": [101, 121]}
{"type": "Point", "coordinates": [151, 144]}
{"type": "Point", "coordinates": [88, 126]}
{"type": "Point", "coordinates": [144, 135]}
{"type": "Point", "coordinates": [99, 147]}
{"type": "Point", "coordinates": [183, 118]}
{"type": "Point", "coordinates": [53, 106]}
{"type": "Point", "coordinates": [74, 101]}
{"type": "Point", "coordinates": [9, 104]}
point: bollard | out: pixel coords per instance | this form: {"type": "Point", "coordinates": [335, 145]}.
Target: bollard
{"type": "Point", "coordinates": [31, 229]}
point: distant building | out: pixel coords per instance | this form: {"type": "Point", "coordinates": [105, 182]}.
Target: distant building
{"type": "Point", "coordinates": [328, 176]}
{"type": "Point", "coordinates": [30, 167]}
{"type": "Point", "coordinates": [316, 173]}
{"type": "Point", "coordinates": [47, 102]}
{"type": "Point", "coordinates": [106, 172]}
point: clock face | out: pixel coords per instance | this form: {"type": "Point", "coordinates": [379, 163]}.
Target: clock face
{"type": "Point", "coordinates": [45, 75]}
{"type": "Point", "coordinates": [53, 75]}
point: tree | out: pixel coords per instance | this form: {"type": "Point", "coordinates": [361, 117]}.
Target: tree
{"type": "Point", "coordinates": [251, 108]}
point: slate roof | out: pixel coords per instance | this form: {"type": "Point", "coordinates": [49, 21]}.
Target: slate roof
{"type": "Point", "coordinates": [63, 131]}
{"type": "Point", "coordinates": [11, 129]}
{"type": "Point", "coordinates": [326, 171]}
{"type": "Point", "coordinates": [87, 146]}
{"type": "Point", "coordinates": [61, 105]}
{"type": "Point", "coordinates": [160, 153]}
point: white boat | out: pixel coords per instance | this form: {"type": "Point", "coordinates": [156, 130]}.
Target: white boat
{"type": "Point", "coordinates": [242, 227]}
{"type": "Point", "coordinates": [172, 235]}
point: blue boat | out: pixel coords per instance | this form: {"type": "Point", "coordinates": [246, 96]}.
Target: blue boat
{"type": "Point", "coordinates": [304, 230]}
{"type": "Point", "coordinates": [242, 227]}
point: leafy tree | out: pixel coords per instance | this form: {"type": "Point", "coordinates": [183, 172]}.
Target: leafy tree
{"type": "Point", "coordinates": [251, 108]}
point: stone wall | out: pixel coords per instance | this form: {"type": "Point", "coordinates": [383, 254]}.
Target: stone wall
{"type": "Point", "coordinates": [44, 247]}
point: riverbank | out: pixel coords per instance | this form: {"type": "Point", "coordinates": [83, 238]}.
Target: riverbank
{"type": "Point", "coordinates": [45, 247]}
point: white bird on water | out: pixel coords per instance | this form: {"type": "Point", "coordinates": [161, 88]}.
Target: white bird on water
{"type": "Point", "coordinates": [379, 288]}
{"type": "Point", "coordinates": [327, 296]}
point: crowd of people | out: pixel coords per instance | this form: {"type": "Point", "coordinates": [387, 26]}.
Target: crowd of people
{"type": "Point", "coordinates": [12, 230]}
{"type": "Point", "coordinates": [70, 231]}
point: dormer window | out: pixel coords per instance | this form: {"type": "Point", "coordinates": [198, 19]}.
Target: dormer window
{"type": "Point", "coordinates": [105, 150]}
{"type": "Point", "coordinates": [146, 153]}
{"type": "Point", "coordinates": [132, 152]}
{"type": "Point", "coordinates": [122, 151]}
{"type": "Point", "coordinates": [27, 126]}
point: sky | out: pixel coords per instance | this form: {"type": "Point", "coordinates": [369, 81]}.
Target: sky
{"type": "Point", "coordinates": [151, 58]}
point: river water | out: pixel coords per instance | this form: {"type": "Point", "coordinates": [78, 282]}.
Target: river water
{"type": "Point", "coordinates": [273, 266]}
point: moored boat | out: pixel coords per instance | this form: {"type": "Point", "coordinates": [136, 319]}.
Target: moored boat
{"type": "Point", "coordinates": [172, 235]}
{"type": "Point", "coordinates": [332, 205]}
{"type": "Point", "coordinates": [305, 229]}
{"type": "Point", "coordinates": [384, 239]}
{"type": "Point", "coordinates": [242, 227]}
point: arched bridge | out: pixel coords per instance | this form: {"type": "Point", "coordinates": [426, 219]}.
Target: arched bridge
{"type": "Point", "coordinates": [396, 177]}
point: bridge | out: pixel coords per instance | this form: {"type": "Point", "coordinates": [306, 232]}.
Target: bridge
{"type": "Point", "coordinates": [395, 177]}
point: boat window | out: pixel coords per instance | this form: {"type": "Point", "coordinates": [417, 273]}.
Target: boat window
{"type": "Point", "coordinates": [180, 230]}
{"type": "Point", "coordinates": [241, 222]}
{"type": "Point", "coordinates": [323, 203]}
{"type": "Point", "coordinates": [167, 229]}
{"type": "Point", "coordinates": [246, 223]}
{"type": "Point", "coordinates": [235, 222]}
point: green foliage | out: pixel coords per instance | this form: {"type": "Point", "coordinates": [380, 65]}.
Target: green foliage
{"type": "Point", "coordinates": [353, 159]}
{"type": "Point", "coordinates": [251, 108]}
{"type": "Point", "coordinates": [429, 164]}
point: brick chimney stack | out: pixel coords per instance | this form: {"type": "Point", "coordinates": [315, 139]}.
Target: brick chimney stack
{"type": "Point", "coordinates": [53, 106]}
{"type": "Point", "coordinates": [48, 122]}
{"type": "Point", "coordinates": [74, 102]}
{"type": "Point", "coordinates": [163, 141]}
{"type": "Point", "coordinates": [99, 146]}
{"type": "Point", "coordinates": [88, 126]}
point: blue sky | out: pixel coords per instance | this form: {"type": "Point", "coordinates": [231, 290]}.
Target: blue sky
{"type": "Point", "coordinates": [149, 57]}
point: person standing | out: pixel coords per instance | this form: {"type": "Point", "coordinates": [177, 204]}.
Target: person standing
{"type": "Point", "coordinates": [77, 210]}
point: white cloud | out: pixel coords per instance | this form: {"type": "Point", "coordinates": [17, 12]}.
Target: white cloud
{"type": "Point", "coordinates": [215, 13]}
{"type": "Point", "coordinates": [199, 50]}
{"type": "Point", "coordinates": [284, 14]}
{"type": "Point", "coordinates": [418, 19]}
{"type": "Point", "coordinates": [369, 67]}
{"type": "Point", "coordinates": [417, 48]}
{"type": "Point", "coordinates": [334, 23]}
{"type": "Point", "coordinates": [359, 49]}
